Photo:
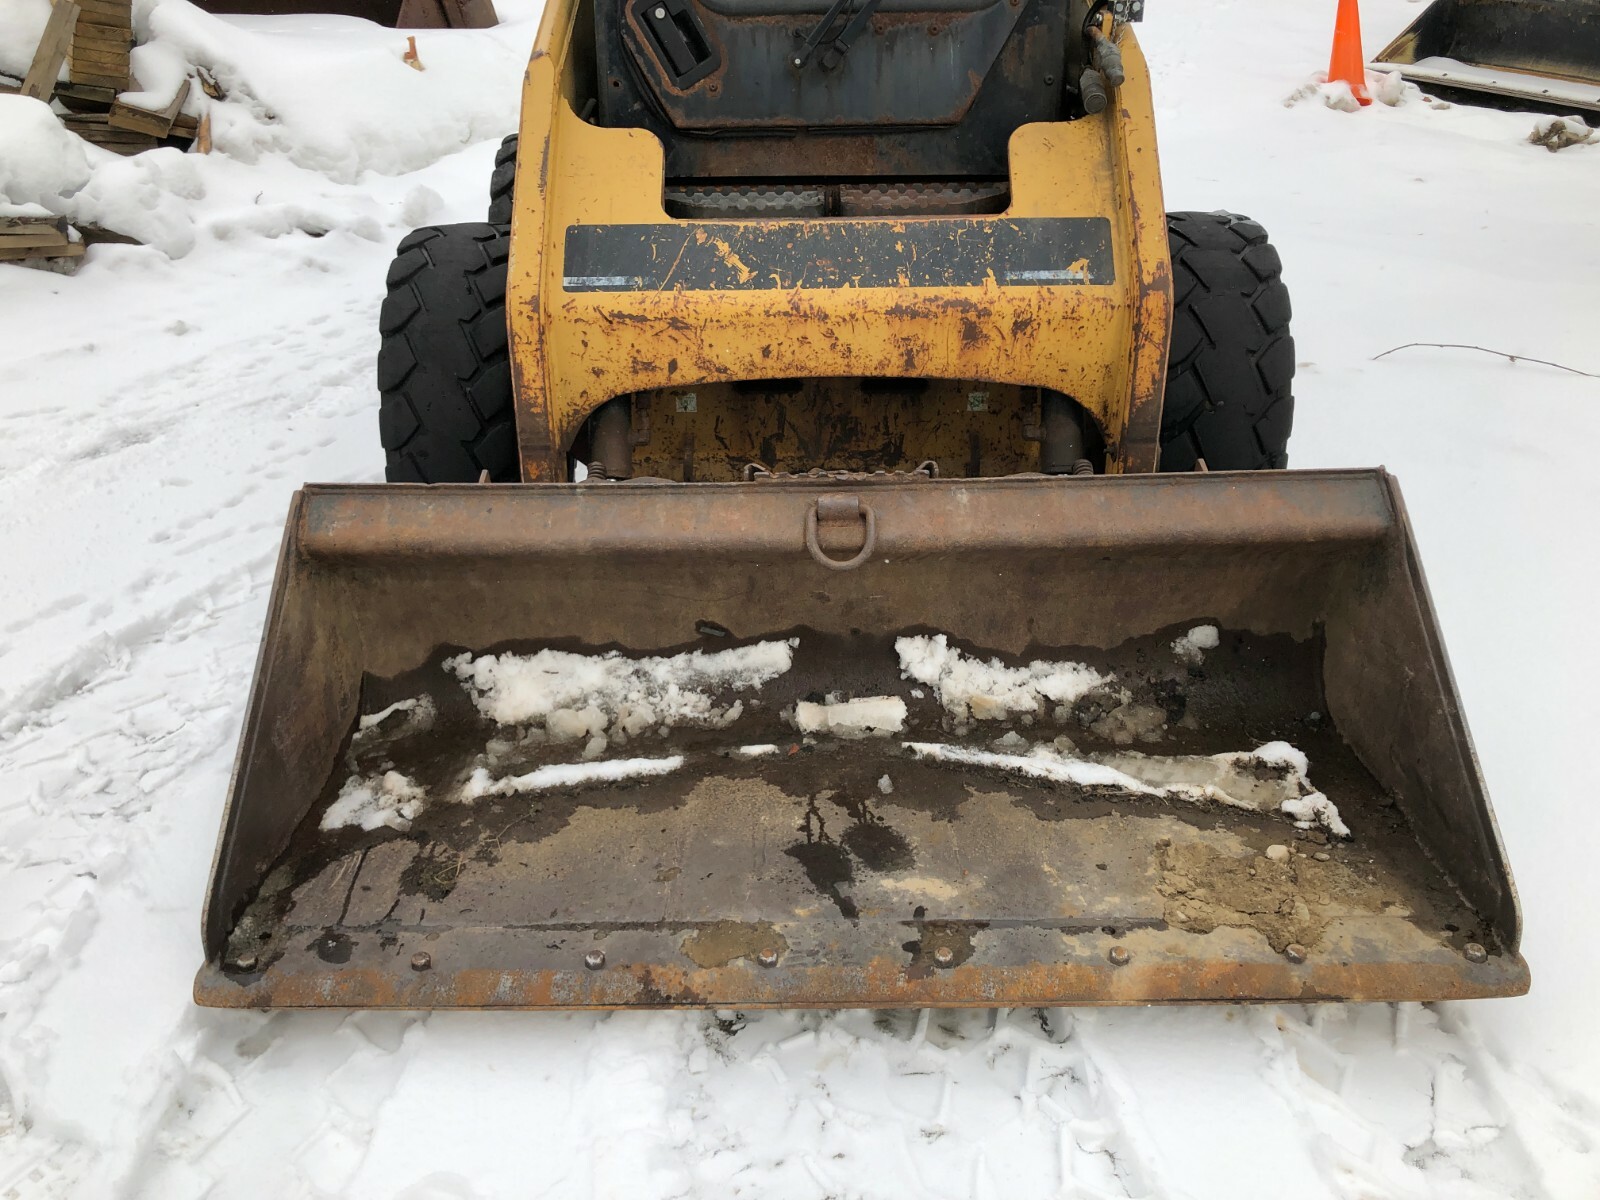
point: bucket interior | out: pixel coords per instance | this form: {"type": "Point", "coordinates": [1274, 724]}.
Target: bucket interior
{"type": "Point", "coordinates": [1077, 779]}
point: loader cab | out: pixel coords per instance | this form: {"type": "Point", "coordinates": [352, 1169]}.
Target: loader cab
{"type": "Point", "coordinates": [847, 108]}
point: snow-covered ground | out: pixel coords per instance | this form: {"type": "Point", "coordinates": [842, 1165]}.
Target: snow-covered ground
{"type": "Point", "coordinates": [156, 413]}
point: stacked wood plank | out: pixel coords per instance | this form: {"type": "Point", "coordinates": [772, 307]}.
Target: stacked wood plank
{"type": "Point", "coordinates": [37, 238]}
{"type": "Point", "coordinates": [99, 58]}
{"type": "Point", "coordinates": [95, 39]}
{"type": "Point", "coordinates": [101, 43]}
{"type": "Point", "coordinates": [96, 127]}
{"type": "Point", "coordinates": [115, 124]}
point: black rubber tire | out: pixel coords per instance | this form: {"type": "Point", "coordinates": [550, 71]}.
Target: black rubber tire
{"type": "Point", "coordinates": [1231, 368]}
{"type": "Point", "coordinates": [443, 371]}
{"type": "Point", "coordinates": [503, 182]}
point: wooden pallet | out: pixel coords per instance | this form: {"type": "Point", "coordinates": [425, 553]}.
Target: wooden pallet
{"type": "Point", "coordinates": [97, 128]}
{"type": "Point", "coordinates": [23, 238]}
{"type": "Point", "coordinates": [94, 38]}
{"type": "Point", "coordinates": [143, 120]}
{"type": "Point", "coordinates": [102, 40]}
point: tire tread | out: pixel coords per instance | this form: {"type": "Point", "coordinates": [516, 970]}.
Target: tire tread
{"type": "Point", "coordinates": [502, 181]}
{"type": "Point", "coordinates": [444, 372]}
{"type": "Point", "coordinates": [1230, 373]}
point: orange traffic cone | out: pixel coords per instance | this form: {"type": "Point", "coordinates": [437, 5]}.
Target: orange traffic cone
{"type": "Point", "coordinates": [1348, 63]}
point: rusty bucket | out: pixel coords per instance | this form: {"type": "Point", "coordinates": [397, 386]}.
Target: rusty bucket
{"type": "Point", "coordinates": [904, 742]}
{"type": "Point", "coordinates": [1537, 54]}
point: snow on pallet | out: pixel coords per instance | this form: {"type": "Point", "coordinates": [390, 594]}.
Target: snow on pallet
{"type": "Point", "coordinates": [25, 235]}
{"type": "Point", "coordinates": [95, 39]}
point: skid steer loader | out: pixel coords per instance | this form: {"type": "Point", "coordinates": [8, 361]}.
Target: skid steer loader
{"type": "Point", "coordinates": [837, 553]}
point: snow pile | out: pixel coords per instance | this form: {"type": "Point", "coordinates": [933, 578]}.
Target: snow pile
{"type": "Point", "coordinates": [146, 197]}
{"type": "Point", "coordinates": [864, 717]}
{"type": "Point", "coordinates": [371, 802]}
{"type": "Point", "coordinates": [159, 69]}
{"type": "Point", "coordinates": [334, 96]}
{"type": "Point", "coordinates": [988, 691]}
{"type": "Point", "coordinates": [22, 24]}
{"type": "Point", "coordinates": [324, 95]}
{"type": "Point", "coordinates": [1275, 776]}
{"type": "Point", "coordinates": [1389, 88]}
{"type": "Point", "coordinates": [1192, 646]}
{"type": "Point", "coordinates": [1271, 778]}
{"type": "Point", "coordinates": [1392, 88]}
{"type": "Point", "coordinates": [40, 161]}
{"type": "Point", "coordinates": [558, 775]}
{"type": "Point", "coordinates": [609, 698]}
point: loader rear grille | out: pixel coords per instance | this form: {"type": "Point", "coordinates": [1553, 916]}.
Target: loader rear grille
{"type": "Point", "coordinates": [913, 199]}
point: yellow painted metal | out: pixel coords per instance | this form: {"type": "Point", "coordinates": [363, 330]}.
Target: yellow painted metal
{"type": "Point", "coordinates": [1103, 345]}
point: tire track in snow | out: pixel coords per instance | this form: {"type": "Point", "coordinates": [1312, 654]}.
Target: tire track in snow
{"type": "Point", "coordinates": [251, 438]}
{"type": "Point", "coordinates": [107, 654]}
{"type": "Point", "coordinates": [167, 468]}
{"type": "Point", "coordinates": [117, 790]}
{"type": "Point", "coordinates": [1397, 1105]}
{"type": "Point", "coordinates": [936, 1103]}
{"type": "Point", "coordinates": [229, 1063]}
{"type": "Point", "coordinates": [1349, 1101]}
{"type": "Point", "coordinates": [118, 750]}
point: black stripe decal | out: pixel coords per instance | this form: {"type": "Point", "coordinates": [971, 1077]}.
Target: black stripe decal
{"type": "Point", "coordinates": [948, 252]}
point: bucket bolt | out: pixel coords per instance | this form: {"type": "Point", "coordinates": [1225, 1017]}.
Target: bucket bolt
{"type": "Point", "coordinates": [768, 957]}
{"type": "Point", "coordinates": [1119, 956]}
{"type": "Point", "coordinates": [421, 960]}
{"type": "Point", "coordinates": [1295, 952]}
{"type": "Point", "coordinates": [944, 956]}
{"type": "Point", "coordinates": [1475, 953]}
{"type": "Point", "coordinates": [595, 959]}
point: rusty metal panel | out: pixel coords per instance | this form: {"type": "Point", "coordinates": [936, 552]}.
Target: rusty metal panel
{"type": "Point", "coordinates": [1317, 512]}
{"type": "Point", "coordinates": [796, 879]}
{"type": "Point", "coordinates": [713, 432]}
{"type": "Point", "coordinates": [1103, 344]}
